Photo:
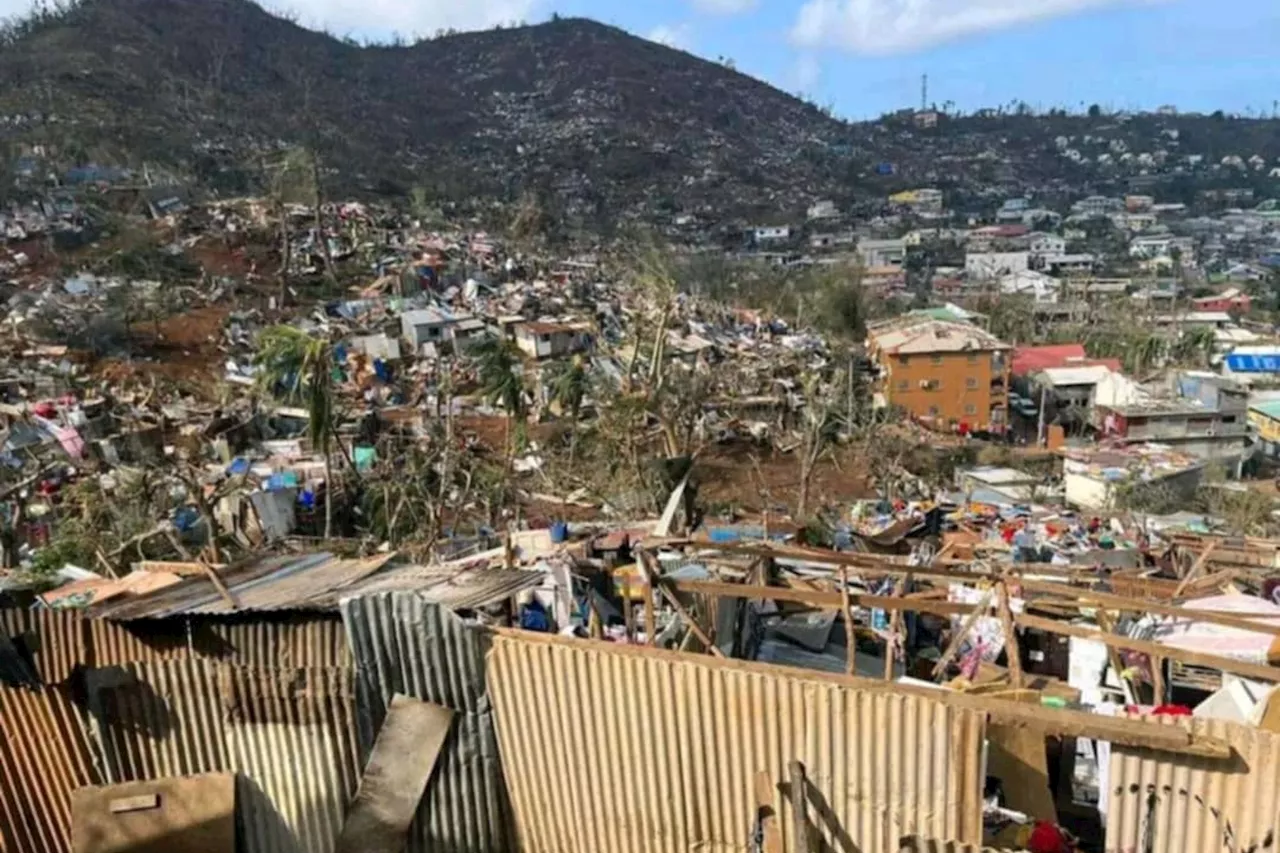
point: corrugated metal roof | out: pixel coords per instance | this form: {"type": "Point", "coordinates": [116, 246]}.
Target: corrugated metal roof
{"type": "Point", "coordinates": [1161, 803]}
{"type": "Point", "coordinates": [627, 749]}
{"type": "Point", "coordinates": [405, 644]}
{"type": "Point", "coordinates": [455, 589]}
{"type": "Point", "coordinates": [44, 756]}
{"type": "Point", "coordinates": [291, 734]}
{"type": "Point", "coordinates": [308, 582]}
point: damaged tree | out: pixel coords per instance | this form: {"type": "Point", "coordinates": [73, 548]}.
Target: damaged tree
{"type": "Point", "coordinates": [822, 419]}
{"type": "Point", "coordinates": [299, 367]}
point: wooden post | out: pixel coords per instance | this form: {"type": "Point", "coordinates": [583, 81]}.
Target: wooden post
{"type": "Point", "coordinates": [767, 815]}
{"type": "Point", "coordinates": [1157, 679]}
{"type": "Point", "coordinates": [953, 647]}
{"type": "Point", "coordinates": [629, 615]}
{"type": "Point", "coordinates": [799, 807]}
{"type": "Point", "coordinates": [1010, 637]}
{"type": "Point", "coordinates": [895, 628]}
{"type": "Point", "coordinates": [1199, 565]}
{"type": "Point", "coordinates": [850, 646]}
{"type": "Point", "coordinates": [650, 628]}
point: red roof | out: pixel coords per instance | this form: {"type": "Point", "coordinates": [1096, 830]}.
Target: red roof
{"type": "Point", "coordinates": [1027, 360]}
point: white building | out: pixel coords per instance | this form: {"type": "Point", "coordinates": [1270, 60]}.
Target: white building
{"type": "Point", "coordinates": [1042, 288]}
{"type": "Point", "coordinates": [986, 266]}
{"type": "Point", "coordinates": [771, 233]}
{"type": "Point", "coordinates": [882, 253]}
{"type": "Point", "coordinates": [824, 210]}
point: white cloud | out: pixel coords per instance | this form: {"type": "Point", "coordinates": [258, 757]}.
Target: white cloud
{"type": "Point", "coordinates": [724, 7]}
{"type": "Point", "coordinates": [676, 35]}
{"type": "Point", "coordinates": [421, 17]}
{"type": "Point", "coordinates": [895, 26]}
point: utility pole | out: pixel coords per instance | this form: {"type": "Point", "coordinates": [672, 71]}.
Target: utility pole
{"type": "Point", "coordinates": [924, 92]}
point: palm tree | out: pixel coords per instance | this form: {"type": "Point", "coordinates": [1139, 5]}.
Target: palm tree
{"type": "Point", "coordinates": [501, 374]}
{"type": "Point", "coordinates": [1195, 346]}
{"type": "Point", "coordinates": [569, 382]}
{"type": "Point", "coordinates": [296, 366]}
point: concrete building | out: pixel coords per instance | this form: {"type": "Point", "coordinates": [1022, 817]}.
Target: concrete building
{"type": "Point", "coordinates": [876, 254]}
{"type": "Point", "coordinates": [951, 375]}
{"type": "Point", "coordinates": [1208, 419]}
{"type": "Point", "coordinates": [986, 266]}
{"type": "Point", "coordinates": [550, 340]}
{"type": "Point", "coordinates": [1104, 479]}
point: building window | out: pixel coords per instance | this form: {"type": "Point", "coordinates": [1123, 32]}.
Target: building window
{"type": "Point", "coordinates": [1229, 419]}
{"type": "Point", "coordinates": [904, 360]}
{"type": "Point", "coordinates": [971, 409]}
{"type": "Point", "coordinates": [544, 338]}
{"type": "Point", "coordinates": [903, 385]}
{"type": "Point", "coordinates": [936, 359]}
{"type": "Point", "coordinates": [973, 358]}
{"type": "Point", "coordinates": [933, 411]}
{"type": "Point", "coordinates": [971, 382]}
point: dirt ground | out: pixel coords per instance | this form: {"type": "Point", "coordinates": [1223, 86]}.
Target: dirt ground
{"type": "Point", "coordinates": [184, 348]}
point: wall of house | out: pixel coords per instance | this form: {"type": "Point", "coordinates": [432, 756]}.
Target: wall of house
{"type": "Point", "coordinates": [960, 387]}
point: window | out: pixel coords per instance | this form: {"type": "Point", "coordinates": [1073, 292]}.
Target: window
{"type": "Point", "coordinates": [933, 411]}
{"type": "Point", "coordinates": [971, 409]}
{"type": "Point", "coordinates": [904, 360]}
{"type": "Point", "coordinates": [973, 358]}
{"type": "Point", "coordinates": [544, 338]}
{"type": "Point", "coordinates": [936, 359]}
{"type": "Point", "coordinates": [971, 382]}
{"type": "Point", "coordinates": [1229, 419]}
{"type": "Point", "coordinates": [433, 331]}
{"type": "Point", "coordinates": [903, 385]}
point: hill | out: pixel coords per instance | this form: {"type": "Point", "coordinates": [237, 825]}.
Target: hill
{"type": "Point", "coordinates": [606, 122]}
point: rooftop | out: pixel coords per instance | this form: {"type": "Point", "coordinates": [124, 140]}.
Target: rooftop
{"type": "Point", "coordinates": [935, 336]}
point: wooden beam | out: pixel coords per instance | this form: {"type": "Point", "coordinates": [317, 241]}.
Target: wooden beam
{"type": "Point", "coordinates": [1142, 605]}
{"type": "Point", "coordinates": [650, 628]}
{"type": "Point", "coordinates": [1010, 637]}
{"type": "Point", "coordinates": [1201, 562]}
{"type": "Point", "coordinates": [653, 580]}
{"type": "Point", "coordinates": [846, 611]}
{"type": "Point", "coordinates": [895, 628]}
{"type": "Point", "coordinates": [799, 807]}
{"type": "Point", "coordinates": [1113, 657]}
{"type": "Point", "coordinates": [220, 586]}
{"type": "Point", "coordinates": [821, 600]}
{"type": "Point", "coordinates": [953, 648]}
{"type": "Point", "coordinates": [1250, 670]}
{"type": "Point", "coordinates": [767, 814]}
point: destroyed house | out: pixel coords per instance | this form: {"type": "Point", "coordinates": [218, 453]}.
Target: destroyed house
{"type": "Point", "coordinates": [538, 339]}
{"type": "Point", "coordinates": [952, 375]}
{"type": "Point", "coordinates": [1209, 420]}
{"type": "Point", "coordinates": [430, 326]}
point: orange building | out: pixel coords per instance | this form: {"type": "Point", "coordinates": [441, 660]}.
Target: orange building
{"type": "Point", "coordinates": [949, 374]}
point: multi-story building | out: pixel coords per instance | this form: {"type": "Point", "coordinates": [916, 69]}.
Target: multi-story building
{"type": "Point", "coordinates": [1208, 418]}
{"type": "Point", "coordinates": [951, 375]}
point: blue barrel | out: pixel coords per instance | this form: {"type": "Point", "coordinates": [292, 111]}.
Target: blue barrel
{"type": "Point", "coordinates": [559, 532]}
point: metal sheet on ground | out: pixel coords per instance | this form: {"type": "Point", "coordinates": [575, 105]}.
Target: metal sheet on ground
{"type": "Point", "coordinates": [396, 777]}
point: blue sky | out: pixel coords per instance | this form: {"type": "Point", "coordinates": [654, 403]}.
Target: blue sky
{"type": "Point", "coordinates": [866, 57]}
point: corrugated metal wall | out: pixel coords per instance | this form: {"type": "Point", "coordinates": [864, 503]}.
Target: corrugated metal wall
{"type": "Point", "coordinates": [1162, 803]}
{"type": "Point", "coordinates": [292, 736]}
{"type": "Point", "coordinates": [44, 756]}
{"type": "Point", "coordinates": [624, 749]}
{"type": "Point", "coordinates": [291, 640]}
{"type": "Point", "coordinates": [403, 644]}
{"type": "Point", "coordinates": [157, 719]}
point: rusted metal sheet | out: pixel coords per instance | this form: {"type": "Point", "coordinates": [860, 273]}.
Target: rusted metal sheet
{"type": "Point", "coordinates": [291, 735]}
{"type": "Point", "coordinates": [456, 589]}
{"type": "Point", "coordinates": [912, 844]}
{"type": "Point", "coordinates": [275, 641]}
{"type": "Point", "coordinates": [627, 749]}
{"type": "Point", "coordinates": [44, 756]}
{"type": "Point", "coordinates": [405, 644]}
{"type": "Point", "coordinates": [55, 639]}
{"type": "Point", "coordinates": [307, 582]}
{"type": "Point", "coordinates": [151, 641]}
{"type": "Point", "coordinates": [160, 719]}
{"type": "Point", "coordinates": [1162, 803]}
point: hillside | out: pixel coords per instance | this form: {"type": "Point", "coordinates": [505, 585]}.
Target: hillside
{"type": "Point", "coordinates": [573, 109]}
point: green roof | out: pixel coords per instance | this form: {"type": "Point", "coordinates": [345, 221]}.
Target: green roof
{"type": "Point", "coordinates": [1269, 408]}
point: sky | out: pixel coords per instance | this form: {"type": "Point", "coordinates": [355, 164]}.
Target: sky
{"type": "Point", "coordinates": [866, 57]}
